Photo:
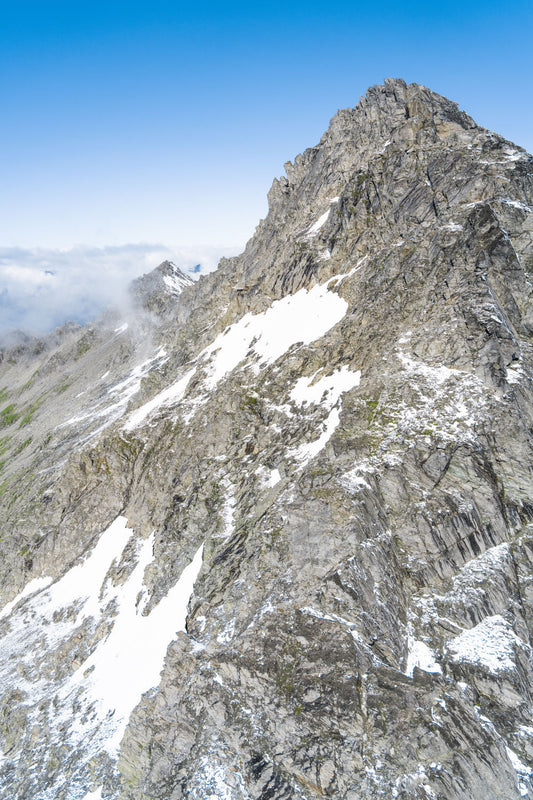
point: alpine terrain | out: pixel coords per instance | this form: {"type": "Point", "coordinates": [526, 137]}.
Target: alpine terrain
{"type": "Point", "coordinates": [269, 536]}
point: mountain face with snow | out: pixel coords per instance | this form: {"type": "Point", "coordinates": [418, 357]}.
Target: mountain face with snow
{"type": "Point", "coordinates": [270, 535]}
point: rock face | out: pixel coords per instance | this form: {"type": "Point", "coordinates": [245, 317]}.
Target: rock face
{"type": "Point", "coordinates": [330, 439]}
{"type": "Point", "coordinates": [156, 290]}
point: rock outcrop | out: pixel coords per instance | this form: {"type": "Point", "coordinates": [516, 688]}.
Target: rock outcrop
{"type": "Point", "coordinates": [330, 439]}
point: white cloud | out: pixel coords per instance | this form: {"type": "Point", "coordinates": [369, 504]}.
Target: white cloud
{"type": "Point", "coordinates": [41, 288]}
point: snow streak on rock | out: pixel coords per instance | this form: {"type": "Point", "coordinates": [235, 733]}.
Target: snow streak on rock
{"type": "Point", "coordinates": [177, 282]}
{"type": "Point", "coordinates": [257, 340]}
{"type": "Point", "coordinates": [314, 229]}
{"type": "Point", "coordinates": [523, 772]}
{"type": "Point", "coordinates": [172, 394]}
{"type": "Point", "coordinates": [116, 653]}
{"type": "Point", "coordinates": [114, 403]}
{"type": "Point", "coordinates": [325, 392]}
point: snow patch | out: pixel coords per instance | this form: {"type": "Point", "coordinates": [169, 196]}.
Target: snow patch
{"type": "Point", "coordinates": [435, 374]}
{"type": "Point", "coordinates": [257, 340]}
{"type": "Point", "coordinates": [335, 280]}
{"type": "Point", "coordinates": [507, 157]}
{"type": "Point", "coordinates": [513, 155]}
{"type": "Point", "coordinates": [421, 656]}
{"type": "Point", "coordinates": [327, 390]}
{"type": "Point", "coordinates": [214, 781]}
{"type": "Point", "coordinates": [227, 634]}
{"type": "Point", "coordinates": [266, 608]}
{"type": "Point", "coordinates": [305, 452]}
{"type": "Point", "coordinates": [97, 795]}
{"type": "Point", "coordinates": [352, 626]}
{"type": "Point", "coordinates": [176, 283]}
{"type": "Point", "coordinates": [405, 338]}
{"type": "Point", "coordinates": [274, 478]}
{"type": "Point", "coordinates": [80, 586]}
{"type": "Point", "coordinates": [518, 765]}
{"type": "Point", "coordinates": [228, 509]}
{"type": "Point", "coordinates": [448, 405]}
{"type": "Point", "coordinates": [268, 477]}
{"type": "Point", "coordinates": [491, 644]}
{"type": "Point", "coordinates": [134, 639]}
{"type": "Point", "coordinates": [313, 230]}
{"type": "Point", "coordinates": [301, 317]}
{"type": "Point", "coordinates": [110, 652]}
{"type": "Point", "coordinates": [451, 226]}
{"type": "Point", "coordinates": [515, 374]}
{"type": "Point", "coordinates": [317, 614]}
{"type": "Point", "coordinates": [475, 570]}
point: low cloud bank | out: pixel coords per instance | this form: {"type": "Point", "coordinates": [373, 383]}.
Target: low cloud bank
{"type": "Point", "coordinates": [40, 289]}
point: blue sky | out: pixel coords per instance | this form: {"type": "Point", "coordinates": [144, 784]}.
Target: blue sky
{"type": "Point", "coordinates": [165, 122]}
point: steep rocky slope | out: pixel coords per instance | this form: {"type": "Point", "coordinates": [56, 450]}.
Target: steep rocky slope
{"type": "Point", "coordinates": [330, 439]}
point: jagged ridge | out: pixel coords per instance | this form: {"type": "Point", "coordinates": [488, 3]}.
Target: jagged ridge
{"type": "Point", "coordinates": [341, 417]}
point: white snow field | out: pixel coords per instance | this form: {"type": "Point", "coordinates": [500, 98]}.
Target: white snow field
{"type": "Point", "coordinates": [117, 653]}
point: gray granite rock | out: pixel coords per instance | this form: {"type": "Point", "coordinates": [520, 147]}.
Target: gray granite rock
{"type": "Point", "coordinates": [341, 416]}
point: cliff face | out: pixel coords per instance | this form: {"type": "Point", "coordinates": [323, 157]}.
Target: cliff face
{"type": "Point", "coordinates": [330, 439]}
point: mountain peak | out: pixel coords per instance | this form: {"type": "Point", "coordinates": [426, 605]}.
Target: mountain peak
{"type": "Point", "coordinates": [156, 290]}
{"type": "Point", "coordinates": [278, 544]}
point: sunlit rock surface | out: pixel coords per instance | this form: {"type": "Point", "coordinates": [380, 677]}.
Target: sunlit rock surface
{"type": "Point", "coordinates": [269, 536]}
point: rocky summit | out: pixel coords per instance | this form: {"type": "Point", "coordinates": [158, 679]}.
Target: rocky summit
{"type": "Point", "coordinates": [269, 535]}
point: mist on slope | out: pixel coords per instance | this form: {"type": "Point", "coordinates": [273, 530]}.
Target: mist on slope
{"type": "Point", "coordinates": [42, 288]}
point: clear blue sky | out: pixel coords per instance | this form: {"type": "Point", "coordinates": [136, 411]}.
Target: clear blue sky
{"type": "Point", "coordinates": [165, 122]}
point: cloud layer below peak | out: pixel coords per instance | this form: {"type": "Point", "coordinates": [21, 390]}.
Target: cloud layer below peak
{"type": "Point", "coordinates": [43, 288]}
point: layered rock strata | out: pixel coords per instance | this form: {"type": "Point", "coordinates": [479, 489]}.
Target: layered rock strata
{"type": "Point", "coordinates": [309, 477]}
